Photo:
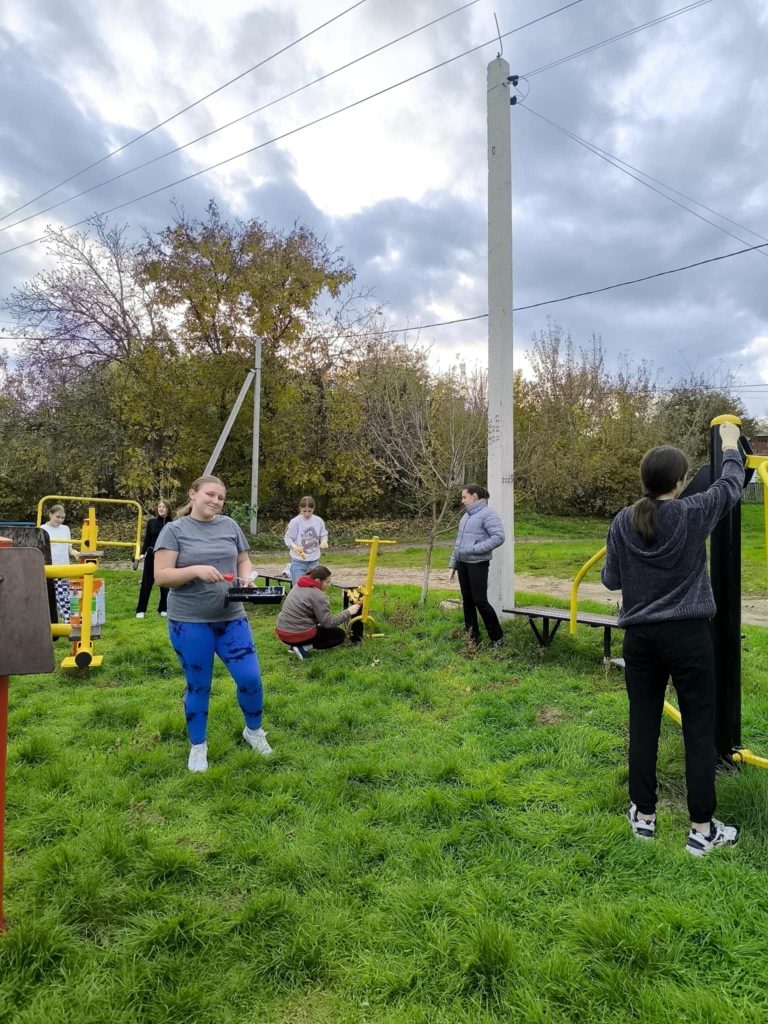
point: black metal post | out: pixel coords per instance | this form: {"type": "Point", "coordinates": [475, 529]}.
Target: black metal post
{"type": "Point", "coordinates": [725, 572]}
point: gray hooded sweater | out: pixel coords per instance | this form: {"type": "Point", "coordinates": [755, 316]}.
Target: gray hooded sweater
{"type": "Point", "coordinates": [667, 580]}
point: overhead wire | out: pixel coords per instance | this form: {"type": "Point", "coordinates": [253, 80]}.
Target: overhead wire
{"type": "Point", "coordinates": [292, 131]}
{"type": "Point", "coordinates": [562, 298]}
{"type": "Point", "coordinates": [237, 120]}
{"type": "Point", "coordinates": [609, 158]}
{"type": "Point", "coordinates": [613, 39]}
{"type": "Point", "coordinates": [190, 106]}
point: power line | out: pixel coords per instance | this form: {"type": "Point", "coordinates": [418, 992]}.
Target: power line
{"type": "Point", "coordinates": [292, 131]}
{"type": "Point", "coordinates": [546, 302]}
{"type": "Point", "coordinates": [638, 280]}
{"type": "Point", "coordinates": [184, 110]}
{"type": "Point", "coordinates": [598, 150]}
{"type": "Point", "coordinates": [613, 39]}
{"type": "Point", "coordinates": [229, 124]}
{"type": "Point", "coordinates": [615, 162]}
{"type": "Point", "coordinates": [439, 323]}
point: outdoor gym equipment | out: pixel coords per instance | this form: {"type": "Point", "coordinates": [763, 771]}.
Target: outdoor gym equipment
{"type": "Point", "coordinates": [366, 590]}
{"type": "Point", "coordinates": [725, 574]}
{"type": "Point", "coordinates": [83, 633]}
{"type": "Point", "coordinates": [89, 539]}
{"type": "Point", "coordinates": [27, 646]}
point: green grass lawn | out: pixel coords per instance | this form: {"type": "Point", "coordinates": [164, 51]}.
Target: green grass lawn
{"type": "Point", "coordinates": [438, 839]}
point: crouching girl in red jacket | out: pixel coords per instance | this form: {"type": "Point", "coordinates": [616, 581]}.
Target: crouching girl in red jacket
{"type": "Point", "coordinates": [306, 621]}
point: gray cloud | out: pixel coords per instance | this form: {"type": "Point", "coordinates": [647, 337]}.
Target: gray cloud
{"type": "Point", "coordinates": [683, 100]}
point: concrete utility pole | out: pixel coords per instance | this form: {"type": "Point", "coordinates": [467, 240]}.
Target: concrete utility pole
{"type": "Point", "coordinates": [254, 374]}
{"type": "Point", "coordinates": [501, 585]}
{"type": "Point", "coordinates": [211, 464]}
{"type": "Point", "coordinates": [256, 428]}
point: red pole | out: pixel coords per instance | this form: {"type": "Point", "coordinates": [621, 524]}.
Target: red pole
{"type": "Point", "coordinates": [3, 752]}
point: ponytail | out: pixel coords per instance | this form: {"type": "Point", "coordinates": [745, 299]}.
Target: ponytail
{"type": "Point", "coordinates": [661, 471]}
{"type": "Point", "coordinates": [644, 519]}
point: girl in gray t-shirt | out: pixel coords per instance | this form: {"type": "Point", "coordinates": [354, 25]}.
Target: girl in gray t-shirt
{"type": "Point", "coordinates": [195, 556]}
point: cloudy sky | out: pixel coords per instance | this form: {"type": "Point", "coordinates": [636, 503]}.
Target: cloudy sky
{"type": "Point", "coordinates": [399, 182]}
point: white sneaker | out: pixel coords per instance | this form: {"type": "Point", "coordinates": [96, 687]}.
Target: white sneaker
{"type": "Point", "coordinates": [641, 828]}
{"type": "Point", "coordinates": [164, 615]}
{"type": "Point", "coordinates": [198, 757]}
{"type": "Point", "coordinates": [698, 843]}
{"type": "Point", "coordinates": [139, 615]}
{"type": "Point", "coordinates": [257, 739]}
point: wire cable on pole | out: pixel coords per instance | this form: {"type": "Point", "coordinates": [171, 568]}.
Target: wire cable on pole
{"type": "Point", "coordinates": [613, 39]}
{"type": "Point", "coordinates": [229, 124]}
{"type": "Point", "coordinates": [614, 162]}
{"type": "Point", "coordinates": [292, 131]}
{"type": "Point", "coordinates": [184, 110]}
{"type": "Point", "coordinates": [638, 280]}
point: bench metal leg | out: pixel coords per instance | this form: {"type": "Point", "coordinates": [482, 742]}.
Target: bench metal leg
{"type": "Point", "coordinates": [607, 643]}
{"type": "Point", "coordinates": [545, 637]}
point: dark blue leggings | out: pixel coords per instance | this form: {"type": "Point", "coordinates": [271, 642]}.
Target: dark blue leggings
{"type": "Point", "coordinates": [195, 644]}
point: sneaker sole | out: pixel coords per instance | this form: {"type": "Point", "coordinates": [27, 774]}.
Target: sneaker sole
{"type": "Point", "coordinates": [637, 834]}
{"type": "Point", "coordinates": [706, 850]}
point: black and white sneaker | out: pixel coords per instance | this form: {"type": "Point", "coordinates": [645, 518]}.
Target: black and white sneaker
{"type": "Point", "coordinates": [698, 843]}
{"type": "Point", "coordinates": [641, 828]}
{"type": "Point", "coordinates": [300, 652]}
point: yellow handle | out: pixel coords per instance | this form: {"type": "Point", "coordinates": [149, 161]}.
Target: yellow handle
{"type": "Point", "coordinates": [575, 587]}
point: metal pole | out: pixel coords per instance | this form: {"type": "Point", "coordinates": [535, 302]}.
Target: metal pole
{"type": "Point", "coordinates": [228, 425]}
{"type": "Point", "coordinates": [256, 428]}
{"type": "Point", "coordinates": [725, 570]}
{"type": "Point", "coordinates": [3, 756]}
{"type": "Point", "coordinates": [501, 582]}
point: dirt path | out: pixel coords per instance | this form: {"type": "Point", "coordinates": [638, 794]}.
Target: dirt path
{"type": "Point", "coordinates": [754, 610]}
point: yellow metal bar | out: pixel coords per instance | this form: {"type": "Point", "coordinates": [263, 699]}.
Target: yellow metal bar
{"type": "Point", "coordinates": [60, 629]}
{"type": "Point", "coordinates": [69, 572]}
{"type": "Point", "coordinates": [743, 756]}
{"type": "Point", "coordinates": [674, 714]}
{"type": "Point", "coordinates": [746, 756]}
{"type": "Point", "coordinates": [85, 499]}
{"type": "Point", "coordinates": [84, 644]}
{"type": "Point", "coordinates": [577, 583]}
{"type": "Point", "coordinates": [762, 472]}
{"type": "Point", "coordinates": [367, 588]}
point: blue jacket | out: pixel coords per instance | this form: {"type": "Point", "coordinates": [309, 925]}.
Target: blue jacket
{"type": "Point", "coordinates": [480, 531]}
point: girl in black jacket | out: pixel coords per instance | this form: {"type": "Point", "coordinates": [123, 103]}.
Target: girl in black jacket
{"type": "Point", "coordinates": [164, 515]}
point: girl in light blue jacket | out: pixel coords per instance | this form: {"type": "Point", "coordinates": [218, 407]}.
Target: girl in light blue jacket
{"type": "Point", "coordinates": [480, 531]}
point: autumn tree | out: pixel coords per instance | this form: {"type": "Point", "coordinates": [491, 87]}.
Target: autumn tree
{"type": "Point", "coordinates": [427, 429]}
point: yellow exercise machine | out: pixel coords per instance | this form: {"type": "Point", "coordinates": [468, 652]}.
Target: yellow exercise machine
{"type": "Point", "coordinates": [366, 590]}
{"type": "Point", "coordinates": [89, 541]}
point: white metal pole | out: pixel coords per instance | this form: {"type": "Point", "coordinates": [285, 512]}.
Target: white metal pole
{"type": "Point", "coordinates": [256, 428]}
{"type": "Point", "coordinates": [501, 586]}
{"type": "Point", "coordinates": [228, 425]}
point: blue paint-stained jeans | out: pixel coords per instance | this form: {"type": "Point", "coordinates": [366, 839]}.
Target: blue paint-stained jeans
{"type": "Point", "coordinates": [299, 569]}
{"type": "Point", "coordinates": [195, 644]}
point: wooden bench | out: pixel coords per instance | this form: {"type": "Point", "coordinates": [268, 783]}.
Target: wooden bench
{"type": "Point", "coordinates": [558, 615]}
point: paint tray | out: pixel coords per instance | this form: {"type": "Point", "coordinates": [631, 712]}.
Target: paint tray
{"type": "Point", "coordinates": [256, 595]}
